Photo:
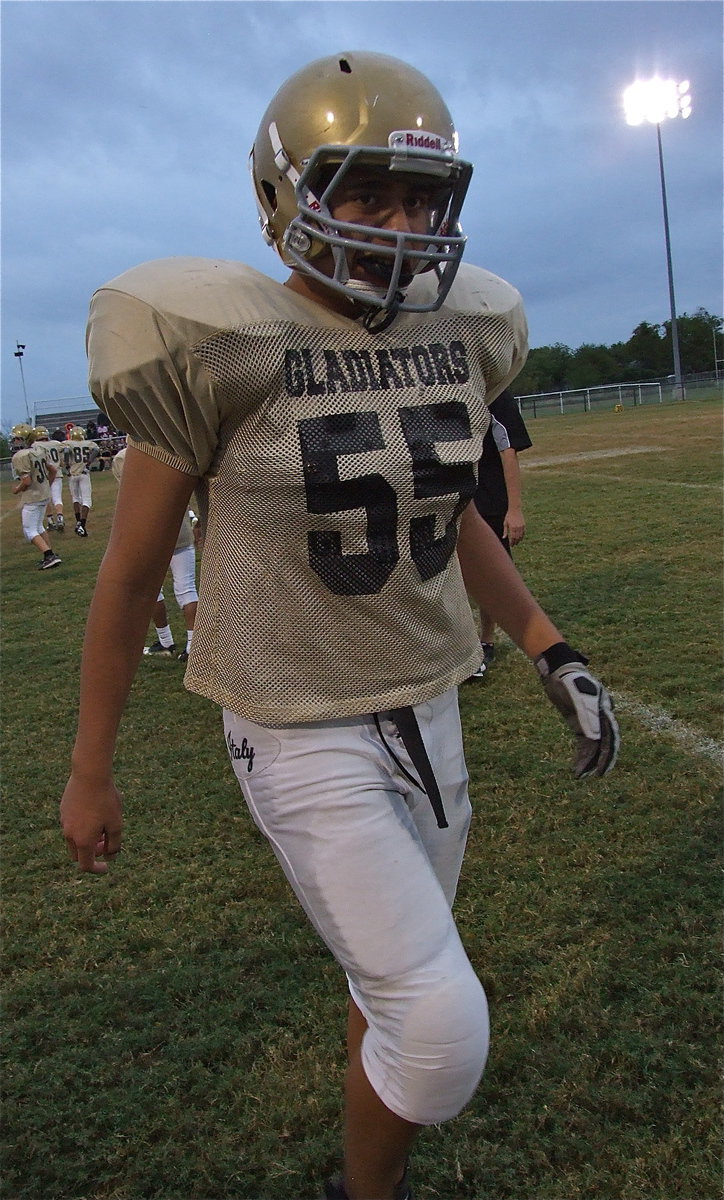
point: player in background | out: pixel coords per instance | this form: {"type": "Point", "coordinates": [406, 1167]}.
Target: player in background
{"type": "Point", "coordinates": [33, 473]}
{"type": "Point", "coordinates": [54, 452]}
{"type": "Point", "coordinates": [79, 452]}
{"type": "Point", "coordinates": [183, 572]}
{"type": "Point", "coordinates": [498, 497]}
{"type": "Point", "coordinates": [331, 427]}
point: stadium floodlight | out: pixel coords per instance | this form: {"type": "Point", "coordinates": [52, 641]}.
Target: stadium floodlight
{"type": "Point", "coordinates": [657, 100]}
{"type": "Point", "coordinates": [19, 355]}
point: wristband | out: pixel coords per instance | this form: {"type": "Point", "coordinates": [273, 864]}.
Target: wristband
{"type": "Point", "coordinates": [557, 656]}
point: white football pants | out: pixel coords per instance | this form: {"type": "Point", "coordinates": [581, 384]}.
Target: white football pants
{"type": "Point", "coordinates": [81, 491]}
{"type": "Point", "coordinates": [32, 517]}
{"type": "Point", "coordinates": [361, 848]}
{"type": "Point", "coordinates": [183, 570]}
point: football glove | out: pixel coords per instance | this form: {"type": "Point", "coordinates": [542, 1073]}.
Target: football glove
{"type": "Point", "coordinates": [585, 706]}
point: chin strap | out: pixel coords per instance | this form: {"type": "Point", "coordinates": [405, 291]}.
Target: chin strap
{"type": "Point", "coordinates": [377, 319]}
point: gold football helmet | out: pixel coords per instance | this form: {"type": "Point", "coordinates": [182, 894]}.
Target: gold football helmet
{"type": "Point", "coordinates": [347, 110]}
{"type": "Point", "coordinates": [40, 434]}
{"type": "Point", "coordinates": [77, 434]}
{"type": "Point", "coordinates": [21, 433]}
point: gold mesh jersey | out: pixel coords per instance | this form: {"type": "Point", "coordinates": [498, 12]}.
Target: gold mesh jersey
{"type": "Point", "coordinates": [53, 452]}
{"type": "Point", "coordinates": [33, 462]}
{"type": "Point", "coordinates": [334, 465]}
{"type": "Point", "coordinates": [78, 455]}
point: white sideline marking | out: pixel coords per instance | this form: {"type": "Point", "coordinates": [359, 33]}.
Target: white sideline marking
{"type": "Point", "coordinates": [555, 459]}
{"type": "Point", "coordinates": [667, 483]}
{"type": "Point", "coordinates": [659, 721]}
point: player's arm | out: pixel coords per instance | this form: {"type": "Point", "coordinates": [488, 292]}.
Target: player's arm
{"type": "Point", "coordinates": [514, 523]}
{"type": "Point", "coordinates": [585, 705]}
{"type": "Point", "coordinates": [497, 587]}
{"type": "Point", "coordinates": [197, 530]}
{"type": "Point", "coordinates": [52, 470]}
{"type": "Point", "coordinates": [22, 484]}
{"type": "Point", "coordinates": [152, 500]}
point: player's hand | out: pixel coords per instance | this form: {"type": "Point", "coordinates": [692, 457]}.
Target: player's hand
{"type": "Point", "coordinates": [91, 820]}
{"type": "Point", "coordinates": [585, 706]}
{"type": "Point", "coordinates": [514, 526]}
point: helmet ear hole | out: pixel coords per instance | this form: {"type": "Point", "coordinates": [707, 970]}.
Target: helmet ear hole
{"type": "Point", "coordinates": [270, 192]}
{"type": "Point", "coordinates": [344, 66]}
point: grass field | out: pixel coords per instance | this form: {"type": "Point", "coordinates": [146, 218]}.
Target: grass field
{"type": "Point", "coordinates": [174, 1030]}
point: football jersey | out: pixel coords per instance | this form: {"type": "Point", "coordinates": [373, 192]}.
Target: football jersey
{"type": "Point", "coordinates": [33, 462]}
{"type": "Point", "coordinates": [78, 456]}
{"type": "Point", "coordinates": [117, 465]}
{"type": "Point", "coordinates": [334, 465]}
{"type": "Point", "coordinates": [54, 452]}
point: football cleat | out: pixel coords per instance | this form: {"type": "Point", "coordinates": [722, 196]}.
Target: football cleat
{"type": "Point", "coordinates": [183, 656]}
{"type": "Point", "coordinates": [334, 1189]}
{"type": "Point", "coordinates": [81, 530]}
{"type": "Point", "coordinates": [159, 651]}
{"type": "Point", "coordinates": [488, 653]}
{"type": "Point", "coordinates": [479, 672]}
{"type": "Point", "coordinates": [51, 561]}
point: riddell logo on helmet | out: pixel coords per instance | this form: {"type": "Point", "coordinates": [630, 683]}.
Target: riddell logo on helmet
{"type": "Point", "coordinates": [424, 141]}
{"type": "Point", "coordinates": [414, 139]}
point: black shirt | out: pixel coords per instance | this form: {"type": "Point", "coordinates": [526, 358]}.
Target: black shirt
{"type": "Point", "coordinates": [507, 429]}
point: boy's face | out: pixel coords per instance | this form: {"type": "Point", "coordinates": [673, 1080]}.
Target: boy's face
{"type": "Point", "coordinates": [377, 199]}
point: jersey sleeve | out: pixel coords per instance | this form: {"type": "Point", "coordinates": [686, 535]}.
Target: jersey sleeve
{"type": "Point", "coordinates": [117, 463]}
{"type": "Point", "coordinates": [502, 328]}
{"type": "Point", "coordinates": [21, 464]}
{"type": "Point", "coordinates": [143, 374]}
{"type": "Point", "coordinates": [504, 366]}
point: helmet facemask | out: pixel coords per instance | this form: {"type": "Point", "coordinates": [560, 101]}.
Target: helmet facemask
{"type": "Point", "coordinates": [393, 257]}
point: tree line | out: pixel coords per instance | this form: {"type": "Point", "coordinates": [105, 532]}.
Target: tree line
{"type": "Point", "coordinates": [647, 355]}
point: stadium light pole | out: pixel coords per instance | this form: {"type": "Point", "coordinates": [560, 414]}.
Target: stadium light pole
{"type": "Point", "coordinates": [655, 100]}
{"type": "Point", "coordinates": [19, 355]}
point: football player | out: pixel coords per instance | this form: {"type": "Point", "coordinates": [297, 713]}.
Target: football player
{"type": "Point", "coordinates": [33, 474]}
{"type": "Point", "coordinates": [331, 426]}
{"type": "Point", "coordinates": [183, 573]}
{"type": "Point", "coordinates": [54, 451]}
{"type": "Point", "coordinates": [79, 452]}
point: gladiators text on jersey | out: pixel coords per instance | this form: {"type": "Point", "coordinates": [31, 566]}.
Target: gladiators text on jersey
{"type": "Point", "coordinates": [324, 371]}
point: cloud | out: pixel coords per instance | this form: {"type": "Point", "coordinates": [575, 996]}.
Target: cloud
{"type": "Point", "coordinates": [126, 129]}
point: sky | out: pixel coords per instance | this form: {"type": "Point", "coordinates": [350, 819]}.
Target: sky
{"type": "Point", "coordinates": [126, 126]}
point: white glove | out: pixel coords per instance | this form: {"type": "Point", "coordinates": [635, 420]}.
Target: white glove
{"type": "Point", "coordinates": [585, 706]}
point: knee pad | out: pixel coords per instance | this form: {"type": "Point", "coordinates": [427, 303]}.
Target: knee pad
{"type": "Point", "coordinates": [428, 1070]}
